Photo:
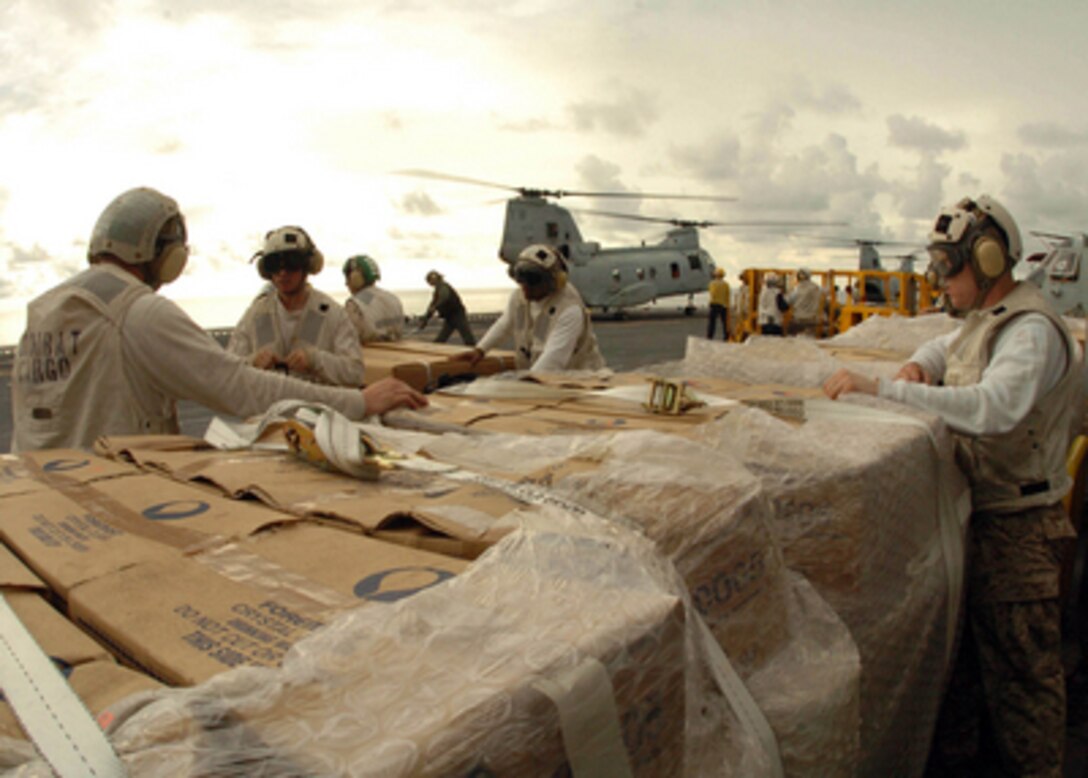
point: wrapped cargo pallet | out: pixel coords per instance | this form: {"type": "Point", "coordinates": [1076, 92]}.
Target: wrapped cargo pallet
{"type": "Point", "coordinates": [880, 540]}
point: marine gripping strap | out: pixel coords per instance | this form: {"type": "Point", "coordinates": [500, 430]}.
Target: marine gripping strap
{"type": "Point", "coordinates": [47, 708]}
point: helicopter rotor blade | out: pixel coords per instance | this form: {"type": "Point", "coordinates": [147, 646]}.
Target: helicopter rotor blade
{"type": "Point", "coordinates": [842, 240]}
{"type": "Point", "coordinates": [415, 173]}
{"type": "Point", "coordinates": [705, 222]}
{"type": "Point", "coordinates": [648, 196]}
{"type": "Point", "coordinates": [526, 191]}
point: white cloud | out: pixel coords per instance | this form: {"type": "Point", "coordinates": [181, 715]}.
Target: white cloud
{"type": "Point", "coordinates": [260, 113]}
{"type": "Point", "coordinates": [920, 135]}
{"type": "Point", "coordinates": [626, 112]}
{"type": "Point", "coordinates": [1051, 135]}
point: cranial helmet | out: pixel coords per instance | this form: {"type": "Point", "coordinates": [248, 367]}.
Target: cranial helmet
{"type": "Point", "coordinates": [771, 279]}
{"type": "Point", "coordinates": [360, 272]}
{"type": "Point", "coordinates": [433, 277]}
{"type": "Point", "coordinates": [289, 241]}
{"type": "Point", "coordinates": [803, 274]}
{"type": "Point", "coordinates": [978, 233]}
{"type": "Point", "coordinates": [540, 265]}
{"type": "Point", "coordinates": [143, 226]}
{"type": "Point", "coordinates": [719, 272]}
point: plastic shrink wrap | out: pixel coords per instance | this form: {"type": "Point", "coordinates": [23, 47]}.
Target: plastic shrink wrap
{"type": "Point", "coordinates": [868, 504]}
{"type": "Point", "coordinates": [759, 601]}
{"type": "Point", "coordinates": [572, 647]}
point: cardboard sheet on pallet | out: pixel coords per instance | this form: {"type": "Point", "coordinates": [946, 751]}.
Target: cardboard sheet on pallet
{"type": "Point", "coordinates": [84, 532]}
{"type": "Point", "coordinates": [426, 366]}
{"type": "Point", "coordinates": [416, 510]}
{"type": "Point", "coordinates": [186, 619]}
{"type": "Point", "coordinates": [91, 671]}
{"type": "Point", "coordinates": [36, 471]}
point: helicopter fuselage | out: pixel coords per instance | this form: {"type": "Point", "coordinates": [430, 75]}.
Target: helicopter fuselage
{"type": "Point", "coordinates": [1062, 274]}
{"type": "Point", "coordinates": [609, 279]}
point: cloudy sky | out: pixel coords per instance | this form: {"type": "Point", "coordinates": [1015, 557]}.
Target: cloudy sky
{"type": "Point", "coordinates": [300, 111]}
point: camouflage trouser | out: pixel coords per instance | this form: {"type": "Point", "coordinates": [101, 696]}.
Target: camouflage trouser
{"type": "Point", "coordinates": [458, 322]}
{"type": "Point", "coordinates": [1004, 711]}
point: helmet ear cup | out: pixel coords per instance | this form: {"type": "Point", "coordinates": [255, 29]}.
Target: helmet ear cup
{"type": "Point", "coordinates": [989, 257]}
{"type": "Point", "coordinates": [317, 259]}
{"type": "Point", "coordinates": [171, 262]}
{"type": "Point", "coordinates": [261, 271]}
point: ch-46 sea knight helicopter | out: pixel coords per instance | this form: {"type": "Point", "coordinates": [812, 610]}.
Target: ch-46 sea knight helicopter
{"type": "Point", "coordinates": [1061, 271]}
{"type": "Point", "coordinates": [610, 279]}
{"type": "Point", "coordinates": [869, 258]}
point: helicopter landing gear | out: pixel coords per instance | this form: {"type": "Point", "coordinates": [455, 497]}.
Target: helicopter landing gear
{"type": "Point", "coordinates": [689, 309]}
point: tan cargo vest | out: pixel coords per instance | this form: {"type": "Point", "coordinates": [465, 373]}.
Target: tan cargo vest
{"type": "Point", "coordinates": [382, 315]}
{"type": "Point", "coordinates": [263, 328]}
{"type": "Point", "coordinates": [69, 383]}
{"type": "Point", "coordinates": [806, 304]}
{"type": "Point", "coordinates": [1025, 467]}
{"type": "Point", "coordinates": [531, 336]}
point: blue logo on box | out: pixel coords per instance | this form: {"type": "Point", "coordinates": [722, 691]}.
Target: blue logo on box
{"type": "Point", "coordinates": [370, 588]}
{"type": "Point", "coordinates": [176, 509]}
{"type": "Point", "coordinates": [63, 465]}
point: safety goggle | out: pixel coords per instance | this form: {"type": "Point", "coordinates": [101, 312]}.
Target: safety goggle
{"type": "Point", "coordinates": [530, 275]}
{"type": "Point", "coordinates": [289, 261]}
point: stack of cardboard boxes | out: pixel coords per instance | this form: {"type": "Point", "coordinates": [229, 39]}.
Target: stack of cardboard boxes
{"type": "Point", "coordinates": [581, 585]}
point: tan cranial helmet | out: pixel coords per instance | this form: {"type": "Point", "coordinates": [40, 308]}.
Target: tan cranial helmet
{"type": "Point", "coordinates": [541, 267]}
{"type": "Point", "coordinates": [719, 272]}
{"type": "Point", "coordinates": [289, 242]}
{"type": "Point", "coordinates": [771, 279]}
{"type": "Point", "coordinates": [143, 226]}
{"type": "Point", "coordinates": [803, 274]}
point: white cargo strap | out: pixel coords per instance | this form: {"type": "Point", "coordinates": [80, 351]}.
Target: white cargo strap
{"type": "Point", "coordinates": [740, 699]}
{"type": "Point", "coordinates": [588, 719]}
{"type": "Point", "coordinates": [949, 510]}
{"type": "Point", "coordinates": [47, 708]}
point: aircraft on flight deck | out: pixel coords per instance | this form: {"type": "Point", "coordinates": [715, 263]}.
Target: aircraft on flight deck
{"type": "Point", "coordinates": [611, 279]}
{"type": "Point", "coordinates": [1061, 271]}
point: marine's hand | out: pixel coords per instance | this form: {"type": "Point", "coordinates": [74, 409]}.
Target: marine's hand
{"type": "Point", "coordinates": [298, 361]}
{"type": "Point", "coordinates": [390, 393]}
{"type": "Point", "coordinates": [264, 360]}
{"type": "Point", "coordinates": [914, 373]}
{"type": "Point", "coordinates": [845, 381]}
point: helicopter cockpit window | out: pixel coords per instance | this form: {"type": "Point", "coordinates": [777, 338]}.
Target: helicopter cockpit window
{"type": "Point", "coordinates": [674, 269]}
{"type": "Point", "coordinates": [615, 275]}
{"type": "Point", "coordinates": [693, 261]}
{"type": "Point", "coordinates": [553, 230]}
{"type": "Point", "coordinates": [1065, 266]}
{"type": "Point", "coordinates": [640, 273]}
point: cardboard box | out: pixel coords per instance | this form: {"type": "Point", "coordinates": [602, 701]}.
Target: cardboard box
{"type": "Point", "coordinates": [38, 471]}
{"type": "Point", "coordinates": [427, 366]}
{"type": "Point", "coordinates": [717, 535]}
{"type": "Point", "coordinates": [420, 510]}
{"type": "Point", "coordinates": [184, 620]}
{"type": "Point", "coordinates": [92, 673]}
{"type": "Point", "coordinates": [458, 683]}
{"type": "Point", "coordinates": [66, 543]}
